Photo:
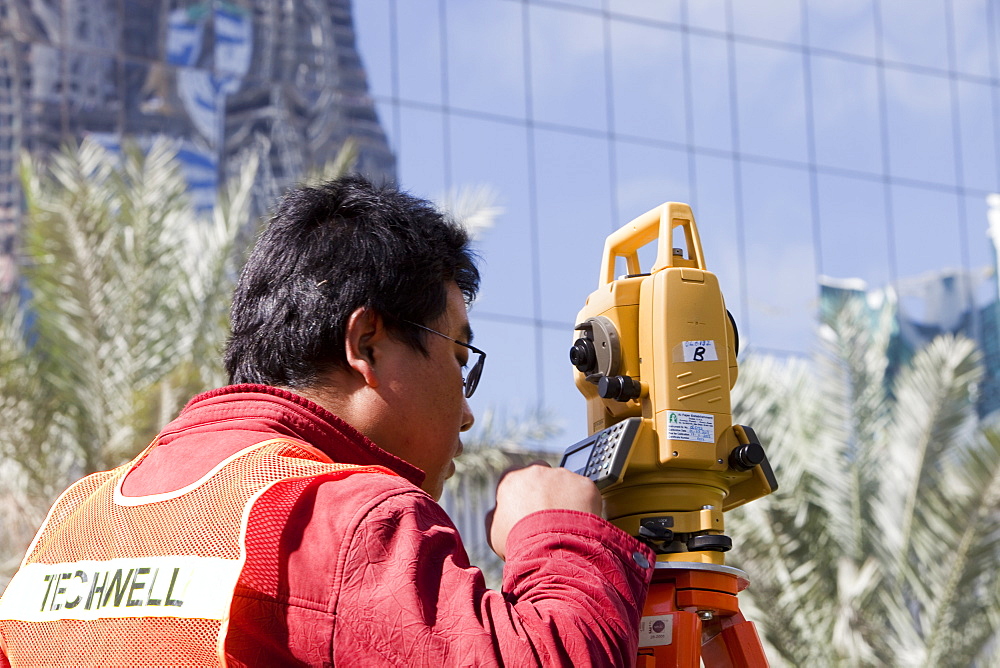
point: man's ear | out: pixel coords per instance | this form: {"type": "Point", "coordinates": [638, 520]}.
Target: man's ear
{"type": "Point", "coordinates": [365, 332]}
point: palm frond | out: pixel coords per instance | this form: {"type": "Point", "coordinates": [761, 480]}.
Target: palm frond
{"type": "Point", "coordinates": [474, 207]}
{"type": "Point", "coordinates": [340, 165]}
{"type": "Point", "coordinates": [881, 543]}
{"type": "Point", "coordinates": [931, 422]}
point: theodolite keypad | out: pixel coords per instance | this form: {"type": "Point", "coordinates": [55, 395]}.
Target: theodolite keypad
{"type": "Point", "coordinates": [602, 456]}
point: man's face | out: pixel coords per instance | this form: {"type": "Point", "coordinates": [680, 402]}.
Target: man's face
{"type": "Point", "coordinates": [427, 397]}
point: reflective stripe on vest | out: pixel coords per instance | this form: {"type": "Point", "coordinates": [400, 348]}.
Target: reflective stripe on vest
{"type": "Point", "coordinates": [115, 580]}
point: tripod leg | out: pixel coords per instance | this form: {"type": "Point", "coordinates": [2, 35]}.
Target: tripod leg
{"type": "Point", "coordinates": [692, 615]}
{"type": "Point", "coordinates": [684, 647]}
{"type": "Point", "coordinates": [737, 645]}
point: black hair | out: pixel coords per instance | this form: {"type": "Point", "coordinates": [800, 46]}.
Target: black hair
{"type": "Point", "coordinates": [328, 250]}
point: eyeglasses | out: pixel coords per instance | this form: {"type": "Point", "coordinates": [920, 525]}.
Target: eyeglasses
{"type": "Point", "coordinates": [471, 379]}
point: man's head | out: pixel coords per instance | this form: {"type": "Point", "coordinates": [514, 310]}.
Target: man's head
{"type": "Point", "coordinates": [334, 303]}
{"type": "Point", "coordinates": [327, 251]}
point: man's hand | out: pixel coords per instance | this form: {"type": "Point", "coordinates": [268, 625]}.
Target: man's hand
{"type": "Point", "coordinates": [537, 487]}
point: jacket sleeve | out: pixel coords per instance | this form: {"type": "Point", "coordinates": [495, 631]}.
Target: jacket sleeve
{"type": "Point", "coordinates": [573, 590]}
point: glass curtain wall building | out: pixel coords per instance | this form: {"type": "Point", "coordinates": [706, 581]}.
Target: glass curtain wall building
{"type": "Point", "coordinates": [221, 78]}
{"type": "Point", "coordinates": [815, 141]}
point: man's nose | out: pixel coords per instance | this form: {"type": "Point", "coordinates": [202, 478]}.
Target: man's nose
{"type": "Point", "coordinates": [468, 419]}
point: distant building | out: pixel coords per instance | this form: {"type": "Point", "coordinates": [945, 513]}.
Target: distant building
{"type": "Point", "coordinates": [221, 77]}
{"type": "Point", "coordinates": [949, 301]}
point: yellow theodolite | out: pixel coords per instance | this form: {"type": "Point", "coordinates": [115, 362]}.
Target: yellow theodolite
{"type": "Point", "coordinates": [655, 357]}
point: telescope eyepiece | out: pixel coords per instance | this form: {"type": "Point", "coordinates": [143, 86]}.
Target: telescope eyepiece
{"type": "Point", "coordinates": [583, 356]}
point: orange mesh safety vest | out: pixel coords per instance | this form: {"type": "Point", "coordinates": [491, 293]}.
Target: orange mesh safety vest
{"type": "Point", "coordinates": [148, 581]}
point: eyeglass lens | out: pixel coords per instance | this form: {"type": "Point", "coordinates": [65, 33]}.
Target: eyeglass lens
{"type": "Point", "coordinates": [472, 380]}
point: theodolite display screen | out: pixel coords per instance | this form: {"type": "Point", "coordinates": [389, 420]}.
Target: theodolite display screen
{"type": "Point", "coordinates": [602, 456]}
{"type": "Point", "coordinates": [577, 461]}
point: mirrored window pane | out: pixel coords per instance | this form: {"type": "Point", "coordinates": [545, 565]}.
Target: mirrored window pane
{"type": "Point", "coordinates": [388, 118]}
{"type": "Point", "coordinates": [715, 211]}
{"type": "Point", "coordinates": [494, 155]}
{"type": "Point", "coordinates": [137, 16]}
{"type": "Point", "coordinates": [709, 14]}
{"type": "Point", "coordinates": [778, 20]}
{"type": "Point", "coordinates": [780, 256]}
{"type": "Point", "coordinates": [983, 244]}
{"type": "Point", "coordinates": [508, 381]}
{"type": "Point", "coordinates": [846, 114]}
{"type": "Point", "coordinates": [711, 98]}
{"type": "Point", "coordinates": [972, 39]}
{"type": "Point", "coordinates": [486, 43]}
{"type": "Point", "coordinates": [649, 176]}
{"type": "Point", "coordinates": [95, 100]}
{"type": "Point", "coordinates": [152, 103]}
{"type": "Point", "coordinates": [567, 68]}
{"type": "Point", "coordinates": [853, 232]}
{"type": "Point", "coordinates": [935, 288]}
{"type": "Point", "coordinates": [372, 26]}
{"type": "Point", "coordinates": [914, 37]}
{"type": "Point", "coordinates": [771, 102]}
{"type": "Point", "coordinates": [928, 237]}
{"type": "Point", "coordinates": [420, 157]}
{"type": "Point", "coordinates": [657, 10]}
{"type": "Point", "coordinates": [418, 26]}
{"type": "Point", "coordinates": [574, 216]}
{"type": "Point", "coordinates": [46, 83]}
{"type": "Point", "coordinates": [92, 25]}
{"type": "Point", "coordinates": [978, 132]}
{"type": "Point", "coordinates": [920, 126]}
{"type": "Point", "coordinates": [559, 393]}
{"type": "Point", "coordinates": [648, 82]}
{"type": "Point", "coordinates": [584, 4]}
{"type": "Point", "coordinates": [982, 251]}
{"type": "Point", "coordinates": [846, 26]}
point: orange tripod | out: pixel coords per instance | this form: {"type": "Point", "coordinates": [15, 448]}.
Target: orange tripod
{"type": "Point", "coordinates": [692, 614]}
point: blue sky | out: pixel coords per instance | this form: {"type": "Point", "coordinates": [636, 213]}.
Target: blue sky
{"type": "Point", "coordinates": [853, 139]}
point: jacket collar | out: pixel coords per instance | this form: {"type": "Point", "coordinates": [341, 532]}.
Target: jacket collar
{"type": "Point", "coordinates": [277, 412]}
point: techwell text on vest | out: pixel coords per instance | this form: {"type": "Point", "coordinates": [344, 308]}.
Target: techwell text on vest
{"type": "Point", "coordinates": [132, 587]}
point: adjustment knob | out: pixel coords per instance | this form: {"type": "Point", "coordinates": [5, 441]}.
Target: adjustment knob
{"type": "Point", "coordinates": [619, 388]}
{"type": "Point", "coordinates": [710, 543]}
{"type": "Point", "coordinates": [746, 456]}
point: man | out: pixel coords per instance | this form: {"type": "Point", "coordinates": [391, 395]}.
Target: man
{"type": "Point", "coordinates": [291, 518]}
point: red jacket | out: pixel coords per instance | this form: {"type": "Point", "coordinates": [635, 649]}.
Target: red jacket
{"type": "Point", "coordinates": [372, 572]}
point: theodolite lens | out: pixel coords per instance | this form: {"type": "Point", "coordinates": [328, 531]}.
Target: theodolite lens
{"type": "Point", "coordinates": [583, 356]}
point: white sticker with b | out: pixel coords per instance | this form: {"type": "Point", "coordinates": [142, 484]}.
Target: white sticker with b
{"type": "Point", "coordinates": [656, 630]}
{"type": "Point", "coordinates": [700, 351]}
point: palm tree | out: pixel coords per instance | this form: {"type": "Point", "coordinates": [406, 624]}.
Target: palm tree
{"type": "Point", "coordinates": [880, 547]}
{"type": "Point", "coordinates": [127, 310]}
{"type": "Point", "coordinates": [128, 291]}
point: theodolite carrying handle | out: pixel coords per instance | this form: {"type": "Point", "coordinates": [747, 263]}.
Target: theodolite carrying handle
{"type": "Point", "coordinates": [656, 224]}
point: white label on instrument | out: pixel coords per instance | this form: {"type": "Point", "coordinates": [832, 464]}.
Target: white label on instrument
{"type": "Point", "coordinates": [684, 426]}
{"type": "Point", "coordinates": [656, 631]}
{"type": "Point", "coordinates": [700, 351]}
